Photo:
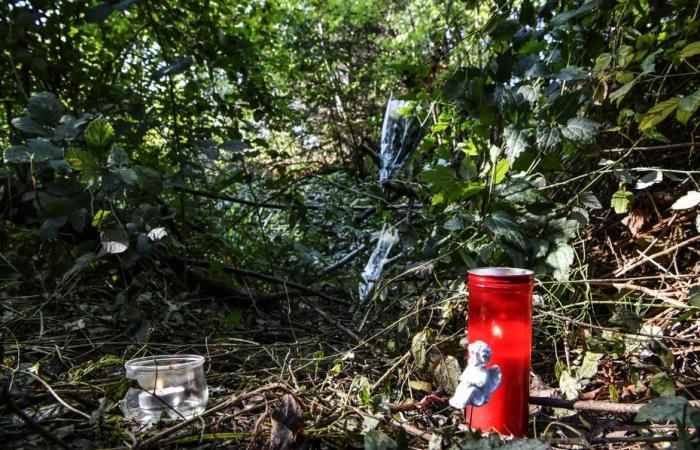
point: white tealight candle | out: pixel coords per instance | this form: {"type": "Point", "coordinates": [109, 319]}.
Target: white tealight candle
{"type": "Point", "coordinates": [170, 396]}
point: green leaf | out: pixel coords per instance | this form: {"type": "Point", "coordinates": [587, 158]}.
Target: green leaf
{"type": "Point", "coordinates": [560, 260]}
{"type": "Point", "coordinates": [662, 409]}
{"type": "Point", "coordinates": [568, 385]}
{"type": "Point", "coordinates": [581, 130]}
{"type": "Point", "coordinates": [663, 385]}
{"type": "Point", "coordinates": [128, 176]}
{"type": "Point", "coordinates": [625, 55]}
{"type": "Point", "coordinates": [376, 440]}
{"type": "Point", "coordinates": [100, 217]}
{"type": "Point", "coordinates": [516, 142]}
{"type": "Point", "coordinates": [589, 200]}
{"type": "Point", "coordinates": [602, 62]}
{"type": "Point", "coordinates": [503, 226]}
{"type": "Point", "coordinates": [621, 201]}
{"type": "Point", "coordinates": [690, 50]}
{"type": "Point", "coordinates": [149, 179]}
{"type": "Point", "coordinates": [620, 93]}
{"type": "Point", "coordinates": [589, 366]}
{"type": "Point", "coordinates": [657, 113]}
{"type": "Point", "coordinates": [58, 206]}
{"type": "Point", "coordinates": [548, 138]}
{"type": "Point", "coordinates": [571, 73]}
{"type": "Point", "coordinates": [689, 200]}
{"type": "Point", "coordinates": [114, 241]}
{"type": "Point", "coordinates": [45, 108]}
{"type": "Point", "coordinates": [118, 157]}
{"type": "Point", "coordinates": [99, 133]}
{"type": "Point", "coordinates": [440, 177]}
{"type": "Point", "coordinates": [27, 125]}
{"type": "Point", "coordinates": [687, 106]}
{"type": "Point", "coordinates": [565, 16]}
{"type": "Point", "coordinates": [37, 149]}
{"type": "Point", "coordinates": [49, 229]}
{"type": "Point", "coordinates": [501, 171]}
{"type": "Point", "coordinates": [420, 346]}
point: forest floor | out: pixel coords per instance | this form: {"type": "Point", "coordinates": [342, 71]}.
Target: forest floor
{"type": "Point", "coordinates": [310, 373]}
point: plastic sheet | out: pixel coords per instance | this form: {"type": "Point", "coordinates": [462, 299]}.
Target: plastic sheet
{"type": "Point", "coordinates": [387, 238]}
{"type": "Point", "coordinates": [400, 137]}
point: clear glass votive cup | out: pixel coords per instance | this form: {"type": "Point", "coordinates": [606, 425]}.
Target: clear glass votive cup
{"type": "Point", "coordinates": [170, 387]}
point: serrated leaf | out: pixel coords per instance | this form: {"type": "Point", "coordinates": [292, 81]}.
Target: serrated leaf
{"type": "Point", "coordinates": [516, 142]}
{"type": "Point", "coordinates": [548, 138]}
{"type": "Point", "coordinates": [602, 62]}
{"type": "Point", "coordinates": [45, 108]}
{"type": "Point", "coordinates": [663, 409]}
{"type": "Point", "coordinates": [114, 241]}
{"type": "Point", "coordinates": [649, 179]}
{"type": "Point", "coordinates": [621, 201]}
{"type": "Point", "coordinates": [589, 200]}
{"type": "Point", "coordinates": [657, 113]}
{"type": "Point", "coordinates": [689, 200]}
{"type": "Point", "coordinates": [687, 107]}
{"type": "Point", "coordinates": [99, 133]}
{"type": "Point", "coordinates": [560, 260]}
{"type": "Point", "coordinates": [27, 125]}
{"type": "Point", "coordinates": [503, 226]}
{"type": "Point", "coordinates": [581, 130]}
{"type": "Point", "coordinates": [690, 50]}
{"type": "Point", "coordinates": [440, 177]}
{"type": "Point", "coordinates": [624, 55]}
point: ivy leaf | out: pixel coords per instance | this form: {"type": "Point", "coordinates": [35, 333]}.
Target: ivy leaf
{"type": "Point", "coordinates": [662, 409]}
{"type": "Point", "coordinates": [690, 50]}
{"type": "Point", "coordinates": [687, 107]}
{"type": "Point", "coordinates": [45, 108]}
{"type": "Point", "coordinates": [548, 138]}
{"type": "Point", "coordinates": [49, 229]}
{"type": "Point", "coordinates": [99, 133]}
{"type": "Point", "coordinates": [516, 142]}
{"type": "Point", "coordinates": [657, 113]}
{"type": "Point", "coordinates": [560, 260]}
{"type": "Point", "coordinates": [621, 201]}
{"type": "Point", "coordinates": [689, 200]}
{"type": "Point", "coordinates": [581, 130]}
{"type": "Point", "coordinates": [27, 125]}
{"type": "Point", "coordinates": [114, 241]}
{"type": "Point", "coordinates": [503, 226]}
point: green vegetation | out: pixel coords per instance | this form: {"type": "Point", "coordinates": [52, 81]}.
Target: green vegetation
{"type": "Point", "coordinates": [204, 177]}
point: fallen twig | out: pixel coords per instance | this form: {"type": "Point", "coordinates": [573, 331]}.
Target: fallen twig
{"type": "Point", "coordinates": [155, 439]}
{"type": "Point", "coordinates": [592, 405]}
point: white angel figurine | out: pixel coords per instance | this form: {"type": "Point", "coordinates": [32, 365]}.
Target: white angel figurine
{"type": "Point", "coordinates": [477, 382]}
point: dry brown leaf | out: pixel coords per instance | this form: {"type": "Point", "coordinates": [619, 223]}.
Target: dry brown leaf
{"type": "Point", "coordinates": [287, 423]}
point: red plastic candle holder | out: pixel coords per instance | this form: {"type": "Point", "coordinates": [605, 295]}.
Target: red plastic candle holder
{"type": "Point", "coordinates": [500, 314]}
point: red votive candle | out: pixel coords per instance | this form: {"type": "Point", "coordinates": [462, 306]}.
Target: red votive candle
{"type": "Point", "coordinates": [500, 314]}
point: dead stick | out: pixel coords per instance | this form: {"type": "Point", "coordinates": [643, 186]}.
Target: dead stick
{"type": "Point", "coordinates": [389, 372]}
{"type": "Point", "coordinates": [593, 405]}
{"type": "Point", "coordinates": [213, 410]}
{"type": "Point", "coordinates": [656, 255]}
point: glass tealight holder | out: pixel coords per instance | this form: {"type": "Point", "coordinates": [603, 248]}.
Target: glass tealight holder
{"type": "Point", "coordinates": [170, 387]}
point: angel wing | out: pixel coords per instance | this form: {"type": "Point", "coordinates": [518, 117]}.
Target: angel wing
{"type": "Point", "coordinates": [493, 380]}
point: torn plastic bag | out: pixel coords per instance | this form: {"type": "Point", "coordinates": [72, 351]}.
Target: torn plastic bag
{"type": "Point", "coordinates": [400, 137]}
{"type": "Point", "coordinates": [387, 238]}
